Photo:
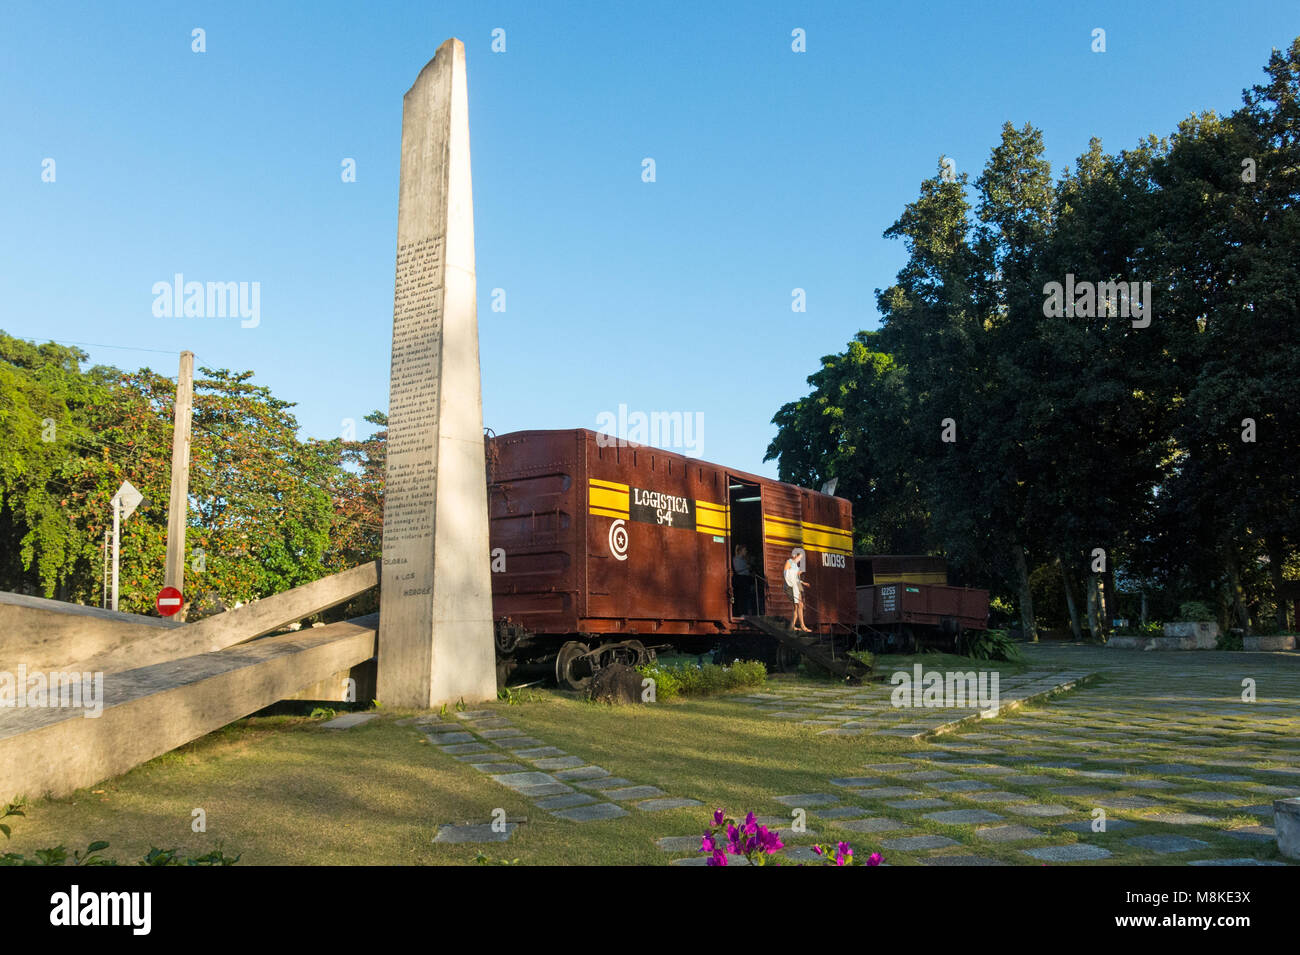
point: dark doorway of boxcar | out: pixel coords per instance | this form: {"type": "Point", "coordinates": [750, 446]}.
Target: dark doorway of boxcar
{"type": "Point", "coordinates": [748, 593]}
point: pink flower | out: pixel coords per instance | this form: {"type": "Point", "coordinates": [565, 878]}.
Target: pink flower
{"type": "Point", "coordinates": [707, 844]}
{"type": "Point", "coordinates": [718, 817]}
{"type": "Point", "coordinates": [874, 858]}
{"type": "Point", "coordinates": [769, 839]}
{"type": "Point", "coordinates": [751, 825]}
{"type": "Point", "coordinates": [718, 858]}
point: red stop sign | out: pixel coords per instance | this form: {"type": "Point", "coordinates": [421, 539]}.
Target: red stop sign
{"type": "Point", "coordinates": [169, 601]}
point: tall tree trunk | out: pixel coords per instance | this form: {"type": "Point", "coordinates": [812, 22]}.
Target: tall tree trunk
{"type": "Point", "coordinates": [1094, 607]}
{"type": "Point", "coordinates": [1234, 587]}
{"type": "Point", "coordinates": [1071, 604]}
{"type": "Point", "coordinates": [1276, 555]}
{"type": "Point", "coordinates": [1026, 598]}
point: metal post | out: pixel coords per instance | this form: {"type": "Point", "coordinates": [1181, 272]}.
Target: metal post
{"type": "Point", "coordinates": [117, 528]}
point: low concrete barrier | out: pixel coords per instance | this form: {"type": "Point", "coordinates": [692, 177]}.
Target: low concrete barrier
{"type": "Point", "coordinates": [1279, 641]}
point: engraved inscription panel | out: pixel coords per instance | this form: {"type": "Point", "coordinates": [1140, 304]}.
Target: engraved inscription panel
{"type": "Point", "coordinates": [413, 400]}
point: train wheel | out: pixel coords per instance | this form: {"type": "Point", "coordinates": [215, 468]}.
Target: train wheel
{"type": "Point", "coordinates": [571, 671]}
{"type": "Point", "coordinates": [787, 660]}
{"type": "Point", "coordinates": [637, 653]}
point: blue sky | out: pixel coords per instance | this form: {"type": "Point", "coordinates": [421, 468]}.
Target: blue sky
{"type": "Point", "coordinates": [774, 171]}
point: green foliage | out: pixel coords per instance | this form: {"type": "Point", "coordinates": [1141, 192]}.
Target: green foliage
{"type": "Point", "coordinates": [1232, 640]}
{"type": "Point", "coordinates": [865, 657]}
{"type": "Point", "coordinates": [1194, 611]}
{"type": "Point", "coordinates": [988, 645]}
{"type": "Point", "coordinates": [513, 697]}
{"type": "Point", "coordinates": [484, 859]}
{"type": "Point", "coordinates": [323, 713]}
{"type": "Point", "coordinates": [689, 679]}
{"type": "Point", "coordinates": [1076, 433]}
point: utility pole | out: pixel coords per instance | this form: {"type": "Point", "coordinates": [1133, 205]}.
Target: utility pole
{"type": "Point", "coordinates": [178, 502]}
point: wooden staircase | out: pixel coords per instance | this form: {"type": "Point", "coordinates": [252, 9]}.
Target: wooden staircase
{"type": "Point", "coordinates": [814, 646]}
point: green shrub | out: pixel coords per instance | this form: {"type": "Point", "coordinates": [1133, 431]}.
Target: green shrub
{"type": "Point", "coordinates": [1229, 641]}
{"type": "Point", "coordinates": [690, 679]}
{"type": "Point", "coordinates": [988, 645]}
{"type": "Point", "coordinates": [1194, 611]}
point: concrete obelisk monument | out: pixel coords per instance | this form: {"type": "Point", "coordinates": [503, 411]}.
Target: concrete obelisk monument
{"type": "Point", "coordinates": [435, 607]}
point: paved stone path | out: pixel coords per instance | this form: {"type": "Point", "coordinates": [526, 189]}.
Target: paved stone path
{"type": "Point", "coordinates": [868, 710]}
{"type": "Point", "coordinates": [555, 781]}
{"type": "Point", "coordinates": [1162, 747]}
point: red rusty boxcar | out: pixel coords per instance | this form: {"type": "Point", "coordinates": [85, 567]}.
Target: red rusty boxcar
{"type": "Point", "coordinates": [600, 547]}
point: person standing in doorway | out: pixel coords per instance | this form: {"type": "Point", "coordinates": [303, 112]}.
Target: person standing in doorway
{"type": "Point", "coordinates": [794, 587]}
{"type": "Point", "coordinates": [743, 581]}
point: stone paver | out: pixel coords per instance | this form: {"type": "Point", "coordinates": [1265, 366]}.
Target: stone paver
{"type": "Point", "coordinates": [859, 781]}
{"type": "Point", "coordinates": [874, 824]}
{"type": "Point", "coordinates": [486, 832]}
{"type": "Point", "coordinates": [348, 720]}
{"type": "Point", "coordinates": [1041, 810]}
{"type": "Point", "coordinates": [566, 801]}
{"type": "Point", "coordinates": [926, 803]}
{"type": "Point", "coordinates": [1166, 844]}
{"type": "Point", "coordinates": [558, 762]}
{"type": "Point", "coordinates": [460, 748]}
{"type": "Point", "coordinates": [668, 802]}
{"type": "Point", "coordinates": [914, 843]}
{"type": "Point", "coordinates": [1071, 853]}
{"type": "Point", "coordinates": [963, 816]}
{"type": "Point", "coordinates": [600, 810]}
{"type": "Point", "coordinates": [582, 772]}
{"type": "Point", "coordinates": [624, 793]}
{"type": "Point", "coordinates": [840, 812]}
{"type": "Point", "coordinates": [446, 739]}
{"type": "Point", "coordinates": [1007, 833]}
{"type": "Point", "coordinates": [808, 800]}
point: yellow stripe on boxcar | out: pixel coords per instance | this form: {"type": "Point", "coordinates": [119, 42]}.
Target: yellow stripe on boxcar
{"type": "Point", "coordinates": [608, 498]}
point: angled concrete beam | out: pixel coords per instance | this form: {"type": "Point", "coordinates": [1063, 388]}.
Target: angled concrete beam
{"type": "Point", "coordinates": [244, 623]}
{"type": "Point", "coordinates": [45, 634]}
{"type": "Point", "coordinates": [151, 710]}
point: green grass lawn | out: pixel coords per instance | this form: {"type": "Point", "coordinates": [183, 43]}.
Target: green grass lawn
{"type": "Point", "coordinates": [282, 790]}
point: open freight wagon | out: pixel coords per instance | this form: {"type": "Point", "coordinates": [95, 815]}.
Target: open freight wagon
{"type": "Point", "coordinates": [604, 551]}
{"type": "Point", "coordinates": [904, 602]}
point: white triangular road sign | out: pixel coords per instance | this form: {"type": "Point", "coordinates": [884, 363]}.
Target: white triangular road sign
{"type": "Point", "coordinates": [127, 498]}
